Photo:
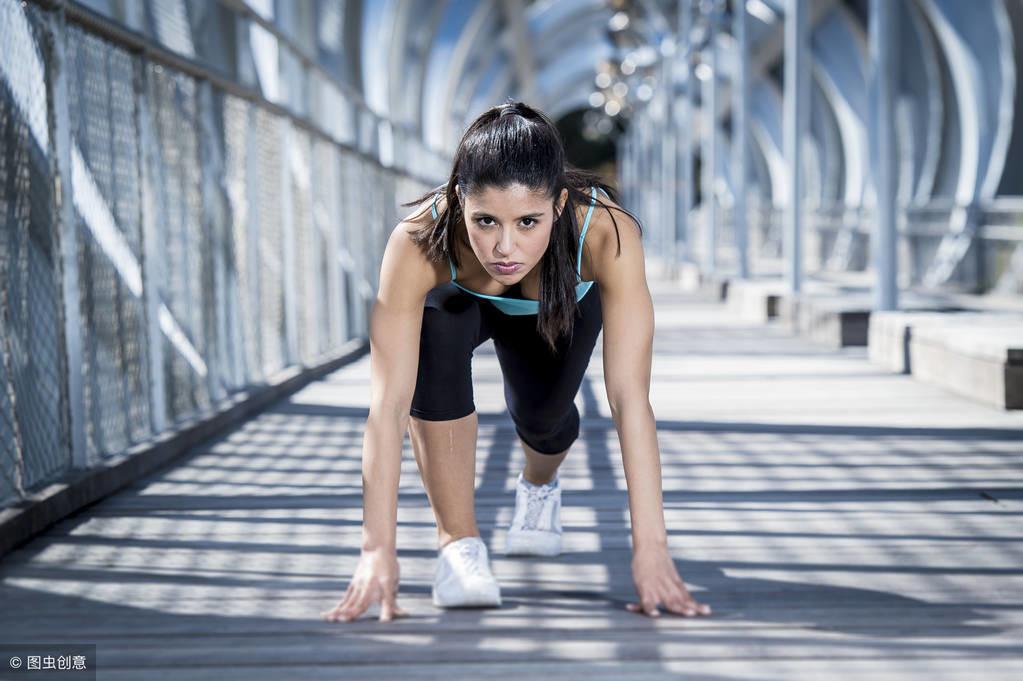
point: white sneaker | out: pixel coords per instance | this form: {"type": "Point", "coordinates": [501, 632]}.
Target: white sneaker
{"type": "Point", "coordinates": [463, 577]}
{"type": "Point", "coordinates": [536, 525]}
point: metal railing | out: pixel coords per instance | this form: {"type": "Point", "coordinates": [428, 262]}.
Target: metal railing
{"type": "Point", "coordinates": [169, 237]}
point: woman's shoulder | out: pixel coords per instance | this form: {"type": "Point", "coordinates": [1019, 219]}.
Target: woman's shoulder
{"type": "Point", "coordinates": [600, 218]}
{"type": "Point", "coordinates": [422, 213]}
{"type": "Point", "coordinates": [411, 249]}
{"type": "Point", "coordinates": [610, 230]}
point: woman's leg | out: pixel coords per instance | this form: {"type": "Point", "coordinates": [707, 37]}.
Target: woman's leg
{"type": "Point", "coordinates": [443, 421]}
{"type": "Point", "coordinates": [540, 386]}
{"type": "Point", "coordinates": [446, 455]}
{"type": "Point", "coordinates": [540, 468]}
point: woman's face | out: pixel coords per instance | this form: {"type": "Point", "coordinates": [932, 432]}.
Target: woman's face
{"type": "Point", "coordinates": [511, 225]}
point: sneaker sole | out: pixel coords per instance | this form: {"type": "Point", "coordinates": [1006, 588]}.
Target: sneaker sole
{"type": "Point", "coordinates": [473, 599]}
{"type": "Point", "coordinates": [532, 543]}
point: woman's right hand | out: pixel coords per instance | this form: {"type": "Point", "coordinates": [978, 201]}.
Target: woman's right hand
{"type": "Point", "coordinates": [376, 579]}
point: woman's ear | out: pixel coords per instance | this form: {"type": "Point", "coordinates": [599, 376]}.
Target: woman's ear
{"type": "Point", "coordinates": [562, 198]}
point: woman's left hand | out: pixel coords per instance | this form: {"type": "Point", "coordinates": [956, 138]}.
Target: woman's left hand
{"type": "Point", "coordinates": [658, 583]}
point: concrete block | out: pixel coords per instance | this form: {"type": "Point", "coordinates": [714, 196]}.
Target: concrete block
{"type": "Point", "coordinates": [891, 330]}
{"type": "Point", "coordinates": [984, 363]}
{"type": "Point", "coordinates": [840, 316]}
{"type": "Point", "coordinates": [711, 286]}
{"type": "Point", "coordinates": [755, 300]}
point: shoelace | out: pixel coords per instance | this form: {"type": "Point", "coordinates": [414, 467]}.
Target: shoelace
{"type": "Point", "coordinates": [536, 499]}
{"type": "Point", "coordinates": [471, 556]}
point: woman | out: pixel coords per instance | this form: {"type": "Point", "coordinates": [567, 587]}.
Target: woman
{"type": "Point", "coordinates": [498, 252]}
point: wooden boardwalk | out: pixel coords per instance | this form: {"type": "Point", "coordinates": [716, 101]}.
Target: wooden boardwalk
{"type": "Point", "coordinates": [843, 523]}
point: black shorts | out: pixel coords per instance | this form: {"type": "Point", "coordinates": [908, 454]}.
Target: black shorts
{"type": "Point", "coordinates": [539, 386]}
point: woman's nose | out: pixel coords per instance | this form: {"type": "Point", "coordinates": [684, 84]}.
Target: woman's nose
{"type": "Point", "coordinates": [506, 243]}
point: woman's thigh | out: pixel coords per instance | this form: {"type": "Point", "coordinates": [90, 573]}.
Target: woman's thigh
{"type": "Point", "coordinates": [453, 327]}
{"type": "Point", "coordinates": [540, 386]}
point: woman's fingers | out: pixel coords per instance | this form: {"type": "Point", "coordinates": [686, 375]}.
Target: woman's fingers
{"type": "Point", "coordinates": [680, 601]}
{"type": "Point", "coordinates": [679, 605]}
{"type": "Point", "coordinates": [646, 608]}
{"type": "Point", "coordinates": [362, 601]}
{"type": "Point", "coordinates": [358, 599]}
{"type": "Point", "coordinates": [352, 606]}
{"type": "Point", "coordinates": [389, 608]}
{"type": "Point", "coordinates": [687, 607]}
{"type": "Point", "coordinates": [332, 614]}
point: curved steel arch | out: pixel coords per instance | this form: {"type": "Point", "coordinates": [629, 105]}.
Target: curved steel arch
{"type": "Point", "coordinates": [543, 16]}
{"type": "Point", "coordinates": [492, 85]}
{"type": "Point", "coordinates": [557, 67]}
{"type": "Point", "coordinates": [462, 24]}
{"type": "Point", "coordinates": [766, 133]}
{"type": "Point", "coordinates": [977, 43]}
{"type": "Point", "coordinates": [919, 112]}
{"type": "Point", "coordinates": [413, 40]}
{"type": "Point", "coordinates": [830, 156]}
{"type": "Point", "coordinates": [839, 67]}
{"type": "Point", "coordinates": [375, 59]}
{"type": "Point", "coordinates": [574, 69]}
{"type": "Point", "coordinates": [439, 69]}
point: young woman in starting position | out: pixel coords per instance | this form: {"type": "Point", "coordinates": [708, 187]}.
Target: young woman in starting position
{"type": "Point", "coordinates": [498, 253]}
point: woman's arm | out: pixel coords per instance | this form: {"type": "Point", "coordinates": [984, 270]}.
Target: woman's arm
{"type": "Point", "coordinates": [628, 313]}
{"type": "Point", "coordinates": [395, 324]}
{"type": "Point", "coordinates": [628, 351]}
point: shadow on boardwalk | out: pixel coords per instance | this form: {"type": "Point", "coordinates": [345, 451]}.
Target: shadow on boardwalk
{"type": "Point", "coordinates": [841, 521]}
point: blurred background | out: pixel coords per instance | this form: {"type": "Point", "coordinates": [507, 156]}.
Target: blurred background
{"type": "Point", "coordinates": [195, 194]}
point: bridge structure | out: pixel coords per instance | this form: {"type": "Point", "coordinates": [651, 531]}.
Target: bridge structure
{"type": "Point", "coordinates": [194, 202]}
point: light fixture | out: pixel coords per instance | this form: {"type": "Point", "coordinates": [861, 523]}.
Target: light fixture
{"type": "Point", "coordinates": [619, 21]}
{"type": "Point", "coordinates": [761, 10]}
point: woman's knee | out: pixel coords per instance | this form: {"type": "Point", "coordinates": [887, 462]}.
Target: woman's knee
{"type": "Point", "coordinates": [548, 436]}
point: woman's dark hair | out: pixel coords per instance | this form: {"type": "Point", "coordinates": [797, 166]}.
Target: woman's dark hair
{"type": "Point", "coordinates": [513, 143]}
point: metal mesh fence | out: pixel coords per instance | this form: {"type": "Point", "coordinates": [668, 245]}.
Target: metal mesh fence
{"type": "Point", "coordinates": [243, 285]}
{"type": "Point", "coordinates": [268, 180]}
{"type": "Point", "coordinates": [33, 427]}
{"type": "Point", "coordinates": [206, 239]}
{"type": "Point", "coordinates": [172, 107]}
{"type": "Point", "coordinates": [105, 191]}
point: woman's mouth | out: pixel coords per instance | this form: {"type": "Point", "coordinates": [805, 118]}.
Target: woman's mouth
{"type": "Point", "coordinates": [507, 269]}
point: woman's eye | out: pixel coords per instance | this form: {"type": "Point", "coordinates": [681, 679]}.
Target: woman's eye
{"type": "Point", "coordinates": [532, 222]}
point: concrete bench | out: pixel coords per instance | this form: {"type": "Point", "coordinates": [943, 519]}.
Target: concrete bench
{"type": "Point", "coordinates": [842, 318]}
{"type": "Point", "coordinates": [756, 300]}
{"type": "Point", "coordinates": [891, 331]}
{"type": "Point", "coordinates": [708, 285]}
{"type": "Point", "coordinates": [978, 361]}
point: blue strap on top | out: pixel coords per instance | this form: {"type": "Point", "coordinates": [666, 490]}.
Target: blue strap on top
{"type": "Point", "coordinates": [433, 208]}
